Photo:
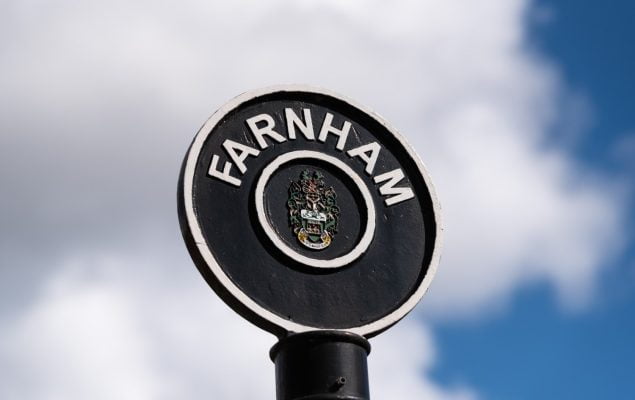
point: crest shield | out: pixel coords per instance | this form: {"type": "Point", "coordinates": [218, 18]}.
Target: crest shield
{"type": "Point", "coordinates": [313, 210]}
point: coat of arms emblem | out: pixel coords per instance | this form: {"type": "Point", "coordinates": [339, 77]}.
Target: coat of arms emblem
{"type": "Point", "coordinates": [313, 210]}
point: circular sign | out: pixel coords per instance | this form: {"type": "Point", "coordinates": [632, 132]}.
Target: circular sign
{"type": "Point", "coordinates": [305, 211]}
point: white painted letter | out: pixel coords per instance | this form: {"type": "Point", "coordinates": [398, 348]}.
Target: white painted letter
{"type": "Point", "coordinates": [266, 130]}
{"type": "Point", "coordinates": [293, 120]}
{"type": "Point", "coordinates": [400, 193]}
{"type": "Point", "coordinates": [223, 176]}
{"type": "Point", "coordinates": [328, 128]}
{"type": "Point", "coordinates": [239, 158]}
{"type": "Point", "coordinates": [371, 159]}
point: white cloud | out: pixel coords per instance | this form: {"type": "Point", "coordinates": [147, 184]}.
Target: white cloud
{"type": "Point", "coordinates": [80, 340]}
{"type": "Point", "coordinates": [516, 212]}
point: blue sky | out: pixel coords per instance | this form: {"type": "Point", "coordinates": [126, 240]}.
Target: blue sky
{"type": "Point", "coordinates": [521, 111]}
{"type": "Point", "coordinates": [536, 350]}
{"type": "Point", "coordinates": [592, 47]}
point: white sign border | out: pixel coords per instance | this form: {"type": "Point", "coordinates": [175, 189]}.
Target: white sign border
{"type": "Point", "coordinates": [192, 156]}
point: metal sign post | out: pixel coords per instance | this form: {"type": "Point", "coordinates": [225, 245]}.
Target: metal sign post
{"type": "Point", "coordinates": [312, 218]}
{"type": "Point", "coordinates": [321, 365]}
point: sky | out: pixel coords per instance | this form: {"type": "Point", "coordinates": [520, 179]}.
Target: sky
{"type": "Point", "coordinates": [521, 111]}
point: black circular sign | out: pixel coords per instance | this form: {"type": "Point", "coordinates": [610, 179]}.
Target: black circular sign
{"type": "Point", "coordinates": [305, 211]}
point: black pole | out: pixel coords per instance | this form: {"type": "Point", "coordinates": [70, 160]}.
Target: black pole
{"type": "Point", "coordinates": [321, 365]}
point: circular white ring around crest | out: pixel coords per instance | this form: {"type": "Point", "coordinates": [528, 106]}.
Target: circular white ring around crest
{"type": "Point", "coordinates": [336, 262]}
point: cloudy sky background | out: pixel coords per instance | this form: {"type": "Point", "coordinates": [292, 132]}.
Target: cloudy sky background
{"type": "Point", "coordinates": [521, 111]}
